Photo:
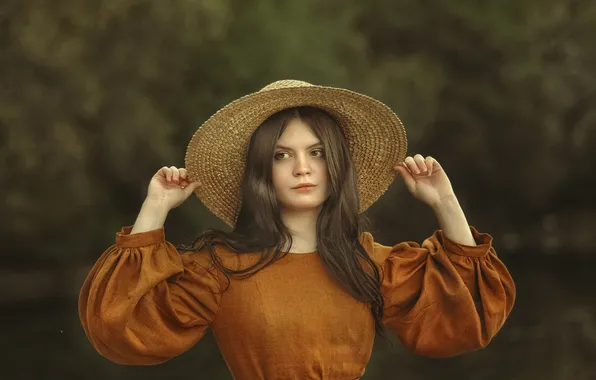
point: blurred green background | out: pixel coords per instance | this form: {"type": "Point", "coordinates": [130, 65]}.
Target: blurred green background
{"type": "Point", "coordinates": [97, 95]}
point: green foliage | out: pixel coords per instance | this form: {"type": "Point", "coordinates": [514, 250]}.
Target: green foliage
{"type": "Point", "coordinates": [99, 95]}
{"type": "Point", "coordinates": [507, 104]}
{"type": "Point", "coordinates": [96, 96]}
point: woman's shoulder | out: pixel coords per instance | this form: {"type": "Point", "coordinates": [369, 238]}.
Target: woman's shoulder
{"type": "Point", "coordinates": [374, 250]}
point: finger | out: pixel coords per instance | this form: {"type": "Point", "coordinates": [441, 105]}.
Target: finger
{"type": "Point", "coordinates": [401, 166]}
{"type": "Point", "coordinates": [183, 173]}
{"type": "Point", "coordinates": [167, 173]}
{"type": "Point", "coordinates": [411, 164]}
{"type": "Point", "coordinates": [175, 173]}
{"type": "Point", "coordinates": [436, 165]}
{"type": "Point", "coordinates": [191, 188]}
{"type": "Point", "coordinates": [407, 177]}
{"type": "Point", "coordinates": [406, 167]}
{"type": "Point", "coordinates": [430, 163]}
{"type": "Point", "coordinates": [420, 163]}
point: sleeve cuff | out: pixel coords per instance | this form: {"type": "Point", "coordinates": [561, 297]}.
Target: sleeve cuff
{"type": "Point", "coordinates": [483, 241]}
{"type": "Point", "coordinates": [125, 239]}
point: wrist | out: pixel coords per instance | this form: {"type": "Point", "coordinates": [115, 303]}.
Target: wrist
{"type": "Point", "coordinates": [158, 205]}
{"type": "Point", "coordinates": [151, 217]}
{"type": "Point", "coordinates": [446, 203]}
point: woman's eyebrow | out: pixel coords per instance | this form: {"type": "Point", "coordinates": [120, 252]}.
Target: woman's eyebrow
{"type": "Point", "coordinates": [288, 148]}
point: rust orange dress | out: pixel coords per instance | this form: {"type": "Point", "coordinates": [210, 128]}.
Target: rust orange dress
{"type": "Point", "coordinates": [144, 303]}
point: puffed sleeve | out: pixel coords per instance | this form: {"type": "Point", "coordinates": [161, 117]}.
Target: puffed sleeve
{"type": "Point", "coordinates": [144, 303]}
{"type": "Point", "coordinates": [443, 298]}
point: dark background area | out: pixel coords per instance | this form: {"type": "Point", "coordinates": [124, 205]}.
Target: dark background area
{"type": "Point", "coordinates": [96, 96]}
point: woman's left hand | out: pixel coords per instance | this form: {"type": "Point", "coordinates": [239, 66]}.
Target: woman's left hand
{"type": "Point", "coordinates": [425, 179]}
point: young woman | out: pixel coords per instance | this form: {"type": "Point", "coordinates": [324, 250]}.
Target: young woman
{"type": "Point", "coordinates": [298, 287]}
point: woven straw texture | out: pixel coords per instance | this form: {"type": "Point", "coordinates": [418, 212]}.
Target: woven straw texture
{"type": "Point", "coordinates": [216, 154]}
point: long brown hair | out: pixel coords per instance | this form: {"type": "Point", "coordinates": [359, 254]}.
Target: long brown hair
{"type": "Point", "coordinates": [259, 227]}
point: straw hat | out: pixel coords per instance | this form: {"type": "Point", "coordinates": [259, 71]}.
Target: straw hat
{"type": "Point", "coordinates": [216, 154]}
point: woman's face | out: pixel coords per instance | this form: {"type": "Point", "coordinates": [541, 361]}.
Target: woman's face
{"type": "Point", "coordinates": [299, 158]}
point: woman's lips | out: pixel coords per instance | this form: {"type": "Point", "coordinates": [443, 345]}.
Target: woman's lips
{"type": "Point", "coordinates": [305, 187]}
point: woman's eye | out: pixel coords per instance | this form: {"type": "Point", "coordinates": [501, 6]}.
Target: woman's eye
{"type": "Point", "coordinates": [279, 156]}
{"type": "Point", "coordinates": [318, 153]}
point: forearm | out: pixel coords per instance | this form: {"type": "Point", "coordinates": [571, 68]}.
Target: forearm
{"type": "Point", "coordinates": [151, 217]}
{"type": "Point", "coordinates": [452, 221]}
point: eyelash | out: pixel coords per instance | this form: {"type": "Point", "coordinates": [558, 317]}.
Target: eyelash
{"type": "Point", "coordinates": [316, 150]}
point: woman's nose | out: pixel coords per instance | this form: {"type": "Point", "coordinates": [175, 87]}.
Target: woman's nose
{"type": "Point", "coordinates": [302, 166]}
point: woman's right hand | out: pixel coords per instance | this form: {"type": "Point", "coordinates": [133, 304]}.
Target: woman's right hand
{"type": "Point", "coordinates": [170, 187]}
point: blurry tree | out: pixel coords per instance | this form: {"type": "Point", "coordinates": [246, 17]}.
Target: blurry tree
{"type": "Point", "coordinates": [87, 111]}
{"type": "Point", "coordinates": [96, 96]}
{"type": "Point", "coordinates": [504, 94]}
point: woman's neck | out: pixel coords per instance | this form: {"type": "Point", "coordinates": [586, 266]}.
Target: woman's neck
{"type": "Point", "coordinates": [303, 228]}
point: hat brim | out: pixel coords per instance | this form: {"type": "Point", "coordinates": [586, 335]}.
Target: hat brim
{"type": "Point", "coordinates": [216, 154]}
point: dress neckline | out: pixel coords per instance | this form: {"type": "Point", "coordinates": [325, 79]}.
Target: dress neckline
{"type": "Point", "coordinates": [302, 253]}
